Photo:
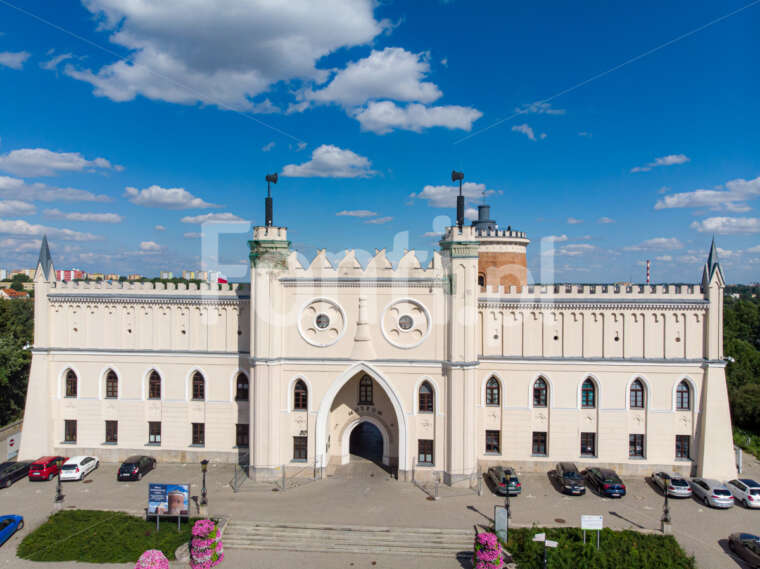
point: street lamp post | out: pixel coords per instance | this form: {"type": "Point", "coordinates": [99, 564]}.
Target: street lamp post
{"type": "Point", "coordinates": [204, 467]}
{"type": "Point", "coordinates": [665, 520]}
{"type": "Point", "coordinates": [58, 493]}
{"type": "Point", "coordinates": [506, 502]}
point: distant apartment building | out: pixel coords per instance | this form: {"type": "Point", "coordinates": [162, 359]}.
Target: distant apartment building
{"type": "Point", "coordinates": [95, 276]}
{"type": "Point", "coordinates": [69, 275]}
{"type": "Point", "coordinates": [112, 277]}
{"type": "Point", "coordinates": [188, 275]}
{"type": "Point", "coordinates": [202, 275]}
{"type": "Point", "coordinates": [134, 277]}
{"type": "Point", "coordinates": [3, 274]}
{"type": "Point", "coordinates": [28, 272]}
{"type": "Point", "coordinates": [166, 275]}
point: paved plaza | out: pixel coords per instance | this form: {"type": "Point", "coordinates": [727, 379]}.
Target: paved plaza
{"type": "Point", "coordinates": [364, 494]}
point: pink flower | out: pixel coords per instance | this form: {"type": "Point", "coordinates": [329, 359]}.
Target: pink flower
{"type": "Point", "coordinates": [152, 559]}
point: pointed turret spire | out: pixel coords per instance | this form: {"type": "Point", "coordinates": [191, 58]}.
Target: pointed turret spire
{"type": "Point", "coordinates": [712, 265]}
{"type": "Point", "coordinates": [45, 262]}
{"type": "Point", "coordinates": [712, 257]}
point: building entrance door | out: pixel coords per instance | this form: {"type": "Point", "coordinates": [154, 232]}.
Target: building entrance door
{"type": "Point", "coordinates": [366, 442]}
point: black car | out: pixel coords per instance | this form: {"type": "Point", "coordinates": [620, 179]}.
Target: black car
{"type": "Point", "coordinates": [606, 481]}
{"type": "Point", "coordinates": [746, 546]}
{"type": "Point", "coordinates": [12, 471]}
{"type": "Point", "coordinates": [504, 480]}
{"type": "Point", "coordinates": [570, 480]}
{"type": "Point", "coordinates": [135, 467]}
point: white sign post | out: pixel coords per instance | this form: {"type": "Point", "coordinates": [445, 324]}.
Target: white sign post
{"type": "Point", "coordinates": [593, 523]}
{"type": "Point", "coordinates": [501, 522]}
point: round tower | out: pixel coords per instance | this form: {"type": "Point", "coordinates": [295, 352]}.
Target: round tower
{"type": "Point", "coordinates": [502, 255]}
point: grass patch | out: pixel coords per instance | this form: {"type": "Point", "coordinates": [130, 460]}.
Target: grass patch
{"type": "Point", "coordinates": [96, 536]}
{"type": "Point", "coordinates": [628, 549]}
{"type": "Point", "coordinates": [748, 441]}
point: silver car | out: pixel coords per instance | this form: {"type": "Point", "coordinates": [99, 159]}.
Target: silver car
{"type": "Point", "coordinates": [674, 484]}
{"type": "Point", "coordinates": [712, 492]}
{"type": "Point", "coordinates": [746, 491]}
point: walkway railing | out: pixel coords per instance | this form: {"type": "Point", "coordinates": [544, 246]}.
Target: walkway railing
{"type": "Point", "coordinates": [283, 481]}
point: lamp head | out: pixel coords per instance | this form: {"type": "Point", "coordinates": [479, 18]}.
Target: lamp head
{"type": "Point", "coordinates": [204, 465]}
{"type": "Point", "coordinates": [457, 176]}
{"type": "Point", "coordinates": [272, 178]}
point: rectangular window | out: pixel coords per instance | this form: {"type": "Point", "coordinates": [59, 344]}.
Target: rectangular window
{"type": "Point", "coordinates": [493, 440]}
{"type": "Point", "coordinates": [199, 434]}
{"type": "Point", "coordinates": [425, 451]}
{"type": "Point", "coordinates": [241, 434]}
{"type": "Point", "coordinates": [683, 442]}
{"type": "Point", "coordinates": [112, 431]}
{"type": "Point", "coordinates": [299, 449]}
{"type": "Point", "coordinates": [539, 443]}
{"type": "Point", "coordinates": [588, 444]}
{"type": "Point", "coordinates": [154, 432]}
{"type": "Point", "coordinates": [70, 431]}
{"type": "Point", "coordinates": [636, 446]}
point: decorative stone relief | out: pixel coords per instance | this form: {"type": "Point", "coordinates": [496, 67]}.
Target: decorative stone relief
{"type": "Point", "coordinates": [322, 322]}
{"type": "Point", "coordinates": [405, 323]}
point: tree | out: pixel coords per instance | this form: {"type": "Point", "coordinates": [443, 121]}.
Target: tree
{"type": "Point", "coordinates": [16, 332]}
{"type": "Point", "coordinates": [17, 282]}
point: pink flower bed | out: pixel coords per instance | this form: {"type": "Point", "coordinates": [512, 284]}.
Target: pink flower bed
{"type": "Point", "coordinates": [487, 552]}
{"type": "Point", "coordinates": [206, 549]}
{"type": "Point", "coordinates": [152, 559]}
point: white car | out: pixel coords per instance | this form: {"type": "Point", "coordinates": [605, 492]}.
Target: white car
{"type": "Point", "coordinates": [77, 467]}
{"type": "Point", "coordinates": [712, 493]}
{"type": "Point", "coordinates": [676, 485]}
{"type": "Point", "coordinates": [746, 491]}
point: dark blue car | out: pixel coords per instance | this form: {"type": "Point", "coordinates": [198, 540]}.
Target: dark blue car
{"type": "Point", "coordinates": [606, 481]}
{"type": "Point", "coordinates": [8, 526]}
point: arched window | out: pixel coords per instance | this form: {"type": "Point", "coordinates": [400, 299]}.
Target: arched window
{"type": "Point", "coordinates": [365, 390]}
{"type": "Point", "coordinates": [493, 395]}
{"type": "Point", "coordinates": [242, 388]}
{"type": "Point", "coordinates": [199, 387]}
{"type": "Point", "coordinates": [683, 396]}
{"type": "Point", "coordinates": [300, 396]}
{"type": "Point", "coordinates": [154, 385]}
{"type": "Point", "coordinates": [588, 394]}
{"type": "Point", "coordinates": [481, 280]}
{"type": "Point", "coordinates": [112, 385]}
{"type": "Point", "coordinates": [637, 395]}
{"type": "Point", "coordinates": [71, 383]}
{"type": "Point", "coordinates": [426, 398]}
{"type": "Point", "coordinates": [539, 393]}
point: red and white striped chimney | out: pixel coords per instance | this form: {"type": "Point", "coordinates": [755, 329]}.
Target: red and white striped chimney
{"type": "Point", "coordinates": [648, 263]}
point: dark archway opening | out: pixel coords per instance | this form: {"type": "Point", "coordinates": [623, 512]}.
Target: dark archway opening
{"type": "Point", "coordinates": [366, 442]}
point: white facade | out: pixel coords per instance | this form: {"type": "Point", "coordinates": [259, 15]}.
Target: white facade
{"type": "Point", "coordinates": [282, 364]}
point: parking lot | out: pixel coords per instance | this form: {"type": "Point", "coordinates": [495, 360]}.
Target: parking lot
{"type": "Point", "coordinates": [376, 499]}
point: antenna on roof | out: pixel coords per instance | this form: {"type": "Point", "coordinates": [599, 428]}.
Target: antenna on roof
{"type": "Point", "coordinates": [270, 178]}
{"type": "Point", "coordinates": [460, 198]}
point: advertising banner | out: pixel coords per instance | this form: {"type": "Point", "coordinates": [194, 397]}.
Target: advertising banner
{"type": "Point", "coordinates": [168, 500]}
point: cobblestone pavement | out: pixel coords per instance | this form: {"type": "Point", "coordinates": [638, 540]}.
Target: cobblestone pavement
{"type": "Point", "coordinates": [373, 498]}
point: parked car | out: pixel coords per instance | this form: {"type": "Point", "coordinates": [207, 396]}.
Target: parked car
{"type": "Point", "coordinates": [135, 467]}
{"type": "Point", "coordinates": [77, 467]}
{"type": "Point", "coordinates": [10, 525]}
{"type": "Point", "coordinates": [12, 471]}
{"type": "Point", "coordinates": [712, 492]}
{"type": "Point", "coordinates": [570, 478]}
{"type": "Point", "coordinates": [45, 468]}
{"type": "Point", "coordinates": [606, 481]}
{"type": "Point", "coordinates": [504, 480]}
{"type": "Point", "coordinates": [674, 484]}
{"type": "Point", "coordinates": [746, 491]}
{"type": "Point", "coordinates": [746, 546]}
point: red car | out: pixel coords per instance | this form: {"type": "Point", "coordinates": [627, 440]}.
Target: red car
{"type": "Point", "coordinates": [45, 468]}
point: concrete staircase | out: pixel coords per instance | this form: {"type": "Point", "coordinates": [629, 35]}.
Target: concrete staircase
{"type": "Point", "coordinates": [348, 539]}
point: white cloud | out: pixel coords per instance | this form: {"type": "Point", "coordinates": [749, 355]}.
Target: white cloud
{"type": "Point", "coordinates": [221, 53]}
{"type": "Point", "coordinates": [52, 63]}
{"type": "Point", "coordinates": [149, 246]}
{"type": "Point", "coordinates": [37, 191]}
{"type": "Point", "coordinates": [160, 228]}
{"type": "Point", "coordinates": [432, 234]}
{"type": "Point", "coordinates": [575, 249]}
{"type": "Point", "coordinates": [754, 249]}
{"type": "Point", "coordinates": [381, 117]}
{"type": "Point", "coordinates": [446, 196]}
{"type": "Point", "coordinates": [669, 160]}
{"type": "Point", "coordinates": [14, 60]}
{"type": "Point", "coordinates": [168, 198]}
{"type": "Point", "coordinates": [357, 213]}
{"type": "Point", "coordinates": [445, 62]}
{"type": "Point", "coordinates": [655, 244]}
{"type": "Point", "coordinates": [733, 198]}
{"type": "Point", "coordinates": [392, 73]}
{"type": "Point", "coordinates": [664, 258]}
{"type": "Point", "coordinates": [605, 220]}
{"type": "Point", "coordinates": [555, 238]}
{"type": "Point", "coordinates": [525, 129]}
{"type": "Point", "coordinates": [20, 245]}
{"type": "Point", "coordinates": [74, 216]}
{"type": "Point", "coordinates": [585, 134]}
{"type": "Point", "coordinates": [16, 207]}
{"type": "Point", "coordinates": [21, 227]}
{"type": "Point", "coordinates": [329, 161]}
{"type": "Point", "coordinates": [212, 218]}
{"type": "Point", "coordinates": [43, 162]}
{"type": "Point", "coordinates": [379, 220]}
{"type": "Point", "coordinates": [268, 146]}
{"type": "Point", "coordinates": [539, 108]}
{"type": "Point", "coordinates": [574, 221]}
{"type": "Point", "coordinates": [471, 213]}
{"type": "Point", "coordinates": [727, 225]}
{"type": "Point", "coordinates": [193, 235]}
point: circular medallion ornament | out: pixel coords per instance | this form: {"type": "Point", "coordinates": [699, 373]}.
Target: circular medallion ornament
{"type": "Point", "coordinates": [322, 322]}
{"type": "Point", "coordinates": [405, 323]}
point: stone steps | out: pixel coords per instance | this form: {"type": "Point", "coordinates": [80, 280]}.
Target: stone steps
{"type": "Point", "coordinates": [348, 539]}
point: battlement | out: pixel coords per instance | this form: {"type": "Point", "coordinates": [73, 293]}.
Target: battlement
{"type": "Point", "coordinates": [379, 265]}
{"type": "Point", "coordinates": [223, 289]}
{"type": "Point", "coordinates": [500, 234]}
{"type": "Point", "coordinates": [663, 292]}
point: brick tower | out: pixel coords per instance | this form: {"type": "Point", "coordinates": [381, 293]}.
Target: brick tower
{"type": "Point", "coordinates": [502, 259]}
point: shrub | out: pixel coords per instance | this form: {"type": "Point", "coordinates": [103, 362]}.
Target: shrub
{"type": "Point", "coordinates": [152, 559]}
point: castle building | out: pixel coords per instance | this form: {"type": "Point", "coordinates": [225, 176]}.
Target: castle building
{"type": "Point", "coordinates": [456, 365]}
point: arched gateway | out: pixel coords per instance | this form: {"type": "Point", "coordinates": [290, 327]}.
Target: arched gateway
{"type": "Point", "coordinates": [342, 409]}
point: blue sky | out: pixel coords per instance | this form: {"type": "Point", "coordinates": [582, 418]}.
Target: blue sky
{"type": "Point", "coordinates": [618, 133]}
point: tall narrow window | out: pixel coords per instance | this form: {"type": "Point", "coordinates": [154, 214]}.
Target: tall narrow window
{"type": "Point", "coordinates": [365, 390]}
{"type": "Point", "coordinates": [426, 398]}
{"type": "Point", "coordinates": [300, 452]}
{"type": "Point", "coordinates": [683, 396]}
{"type": "Point", "coordinates": [154, 432]}
{"type": "Point", "coordinates": [539, 443]}
{"type": "Point", "coordinates": [242, 388]}
{"type": "Point", "coordinates": [154, 385]}
{"type": "Point", "coordinates": [539, 393]}
{"type": "Point", "coordinates": [588, 394]}
{"type": "Point", "coordinates": [493, 442]}
{"type": "Point", "coordinates": [241, 435]}
{"type": "Point", "coordinates": [683, 442]}
{"type": "Point", "coordinates": [199, 387]}
{"type": "Point", "coordinates": [71, 383]}
{"type": "Point", "coordinates": [112, 432]}
{"type": "Point", "coordinates": [70, 431]}
{"type": "Point", "coordinates": [636, 446]}
{"type": "Point", "coordinates": [637, 395]}
{"type": "Point", "coordinates": [112, 385]}
{"type": "Point", "coordinates": [493, 393]}
{"type": "Point", "coordinates": [300, 396]}
{"type": "Point", "coordinates": [425, 452]}
{"type": "Point", "coordinates": [199, 434]}
{"type": "Point", "coordinates": [588, 444]}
